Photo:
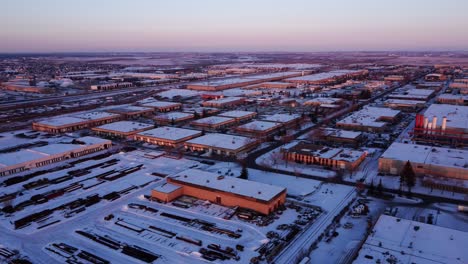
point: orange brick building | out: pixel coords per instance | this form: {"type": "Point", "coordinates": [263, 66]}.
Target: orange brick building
{"type": "Point", "coordinates": [227, 191]}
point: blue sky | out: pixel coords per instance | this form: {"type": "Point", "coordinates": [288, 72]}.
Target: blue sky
{"type": "Point", "coordinates": [232, 25]}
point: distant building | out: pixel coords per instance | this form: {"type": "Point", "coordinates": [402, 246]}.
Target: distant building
{"type": "Point", "coordinates": [161, 106]}
{"type": "Point", "coordinates": [26, 159]}
{"type": "Point", "coordinates": [239, 116]}
{"type": "Point", "coordinates": [131, 111]}
{"type": "Point", "coordinates": [225, 102]}
{"type": "Point", "coordinates": [226, 191]}
{"type": "Point", "coordinates": [327, 77]}
{"type": "Point", "coordinates": [287, 120]}
{"type": "Point", "coordinates": [173, 118]}
{"type": "Point", "coordinates": [213, 122]}
{"type": "Point", "coordinates": [111, 86]}
{"type": "Point", "coordinates": [453, 99]}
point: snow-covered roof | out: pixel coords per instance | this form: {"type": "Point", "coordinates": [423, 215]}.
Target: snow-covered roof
{"type": "Point", "coordinates": [177, 92]}
{"type": "Point", "coordinates": [125, 126]}
{"type": "Point", "coordinates": [224, 100]}
{"type": "Point", "coordinates": [174, 115]}
{"type": "Point", "coordinates": [161, 104]}
{"type": "Point", "coordinates": [260, 125]}
{"type": "Point", "coordinates": [405, 241]}
{"type": "Point", "coordinates": [237, 113]}
{"type": "Point", "coordinates": [457, 115]}
{"type": "Point", "coordinates": [170, 133]}
{"type": "Point", "coordinates": [323, 75]}
{"type": "Point", "coordinates": [246, 188]}
{"type": "Point", "coordinates": [281, 118]}
{"type": "Point", "coordinates": [95, 115]}
{"type": "Point", "coordinates": [166, 187]}
{"type": "Point", "coordinates": [223, 141]}
{"type": "Point", "coordinates": [403, 102]}
{"type": "Point", "coordinates": [343, 154]}
{"type": "Point", "coordinates": [323, 100]}
{"type": "Point", "coordinates": [26, 155]}
{"type": "Point", "coordinates": [129, 109]}
{"type": "Point", "coordinates": [368, 116]}
{"type": "Point", "coordinates": [427, 155]}
{"type": "Point", "coordinates": [340, 133]}
{"type": "Point", "coordinates": [61, 121]}
{"type": "Point", "coordinates": [213, 120]}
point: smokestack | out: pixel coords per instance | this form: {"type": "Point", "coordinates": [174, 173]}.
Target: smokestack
{"type": "Point", "coordinates": [444, 124]}
{"type": "Point", "coordinates": [434, 123]}
{"type": "Point", "coordinates": [426, 121]}
{"type": "Point", "coordinates": [429, 128]}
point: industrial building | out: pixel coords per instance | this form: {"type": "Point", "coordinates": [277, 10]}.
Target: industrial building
{"type": "Point", "coordinates": [239, 116]}
{"type": "Point", "coordinates": [259, 129]}
{"type": "Point", "coordinates": [327, 77]}
{"type": "Point", "coordinates": [131, 111]}
{"type": "Point", "coordinates": [370, 119]}
{"type": "Point", "coordinates": [225, 102]}
{"type": "Point", "coordinates": [287, 120]}
{"type": "Point", "coordinates": [442, 123]}
{"type": "Point", "coordinates": [27, 159]}
{"type": "Point", "coordinates": [425, 160]}
{"type": "Point", "coordinates": [173, 118]}
{"type": "Point", "coordinates": [404, 105]}
{"type": "Point", "coordinates": [397, 240]}
{"type": "Point", "coordinates": [122, 129]}
{"type": "Point", "coordinates": [66, 124]}
{"type": "Point", "coordinates": [337, 158]}
{"type": "Point", "coordinates": [221, 144]}
{"type": "Point", "coordinates": [213, 122]}
{"type": "Point", "coordinates": [162, 106]}
{"type": "Point", "coordinates": [111, 86]}
{"type": "Point", "coordinates": [453, 99]}
{"type": "Point", "coordinates": [226, 191]}
{"type": "Point", "coordinates": [224, 84]}
{"type": "Point", "coordinates": [167, 136]}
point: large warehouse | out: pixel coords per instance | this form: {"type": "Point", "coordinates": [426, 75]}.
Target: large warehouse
{"type": "Point", "coordinates": [227, 191]}
{"type": "Point", "coordinates": [425, 160]}
{"type": "Point", "coordinates": [66, 124]}
{"type": "Point", "coordinates": [221, 144]}
{"type": "Point", "coordinates": [26, 159]}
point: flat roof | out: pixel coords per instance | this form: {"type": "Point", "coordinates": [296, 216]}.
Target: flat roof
{"type": "Point", "coordinates": [323, 100]}
{"type": "Point", "coordinates": [27, 155]}
{"type": "Point", "coordinates": [342, 154]}
{"type": "Point", "coordinates": [61, 121]}
{"type": "Point", "coordinates": [237, 113]}
{"type": "Point", "coordinates": [174, 115]}
{"type": "Point", "coordinates": [130, 109]}
{"type": "Point", "coordinates": [224, 100]}
{"type": "Point", "coordinates": [125, 126]}
{"type": "Point", "coordinates": [323, 75]}
{"type": "Point", "coordinates": [246, 188]}
{"type": "Point", "coordinates": [95, 115]}
{"type": "Point", "coordinates": [178, 92]}
{"type": "Point", "coordinates": [407, 241]}
{"type": "Point", "coordinates": [368, 116]}
{"type": "Point", "coordinates": [445, 157]}
{"type": "Point", "coordinates": [457, 115]}
{"type": "Point", "coordinates": [167, 188]}
{"type": "Point", "coordinates": [223, 141]}
{"type": "Point", "coordinates": [403, 102]}
{"type": "Point", "coordinates": [170, 133]}
{"type": "Point", "coordinates": [213, 120]}
{"type": "Point", "coordinates": [340, 133]}
{"type": "Point", "coordinates": [258, 125]}
{"type": "Point", "coordinates": [159, 104]}
{"type": "Point", "coordinates": [281, 118]}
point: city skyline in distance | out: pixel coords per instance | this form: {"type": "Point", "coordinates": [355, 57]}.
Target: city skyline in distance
{"type": "Point", "coordinates": [237, 26]}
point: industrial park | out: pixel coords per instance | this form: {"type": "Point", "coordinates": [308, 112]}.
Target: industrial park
{"type": "Point", "coordinates": [256, 132]}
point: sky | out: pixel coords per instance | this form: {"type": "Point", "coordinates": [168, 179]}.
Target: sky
{"type": "Point", "coordinates": [232, 25]}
